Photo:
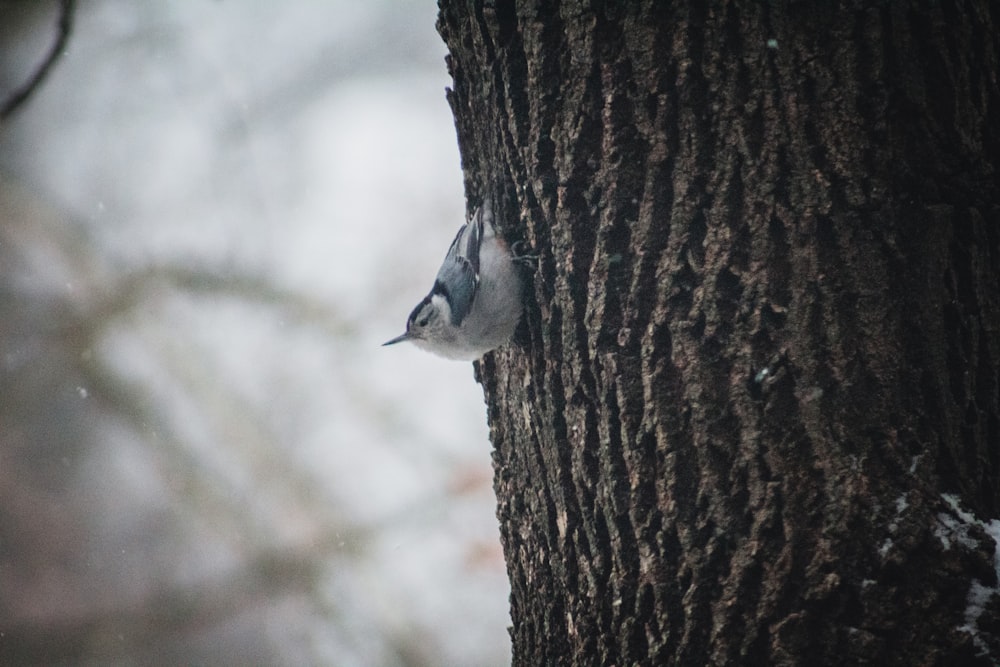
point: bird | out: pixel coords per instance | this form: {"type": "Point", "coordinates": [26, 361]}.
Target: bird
{"type": "Point", "coordinates": [477, 298]}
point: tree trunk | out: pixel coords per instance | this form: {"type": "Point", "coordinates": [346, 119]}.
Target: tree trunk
{"type": "Point", "coordinates": [754, 414]}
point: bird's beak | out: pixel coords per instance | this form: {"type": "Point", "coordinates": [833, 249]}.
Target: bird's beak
{"type": "Point", "coordinates": [397, 339]}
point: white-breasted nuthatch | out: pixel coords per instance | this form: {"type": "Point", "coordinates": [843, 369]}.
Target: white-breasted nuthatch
{"type": "Point", "coordinates": [476, 300]}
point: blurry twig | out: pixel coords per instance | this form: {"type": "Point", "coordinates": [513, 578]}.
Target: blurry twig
{"type": "Point", "coordinates": [171, 610]}
{"type": "Point", "coordinates": [18, 97]}
{"type": "Point", "coordinates": [136, 286]}
{"type": "Point", "coordinates": [206, 492]}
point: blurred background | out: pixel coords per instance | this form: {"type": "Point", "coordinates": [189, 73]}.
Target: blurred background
{"type": "Point", "coordinates": [211, 215]}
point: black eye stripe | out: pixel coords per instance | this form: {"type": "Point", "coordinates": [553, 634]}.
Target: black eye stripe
{"type": "Point", "coordinates": [412, 319]}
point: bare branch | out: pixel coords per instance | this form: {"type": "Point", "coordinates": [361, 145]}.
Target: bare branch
{"type": "Point", "coordinates": [19, 96]}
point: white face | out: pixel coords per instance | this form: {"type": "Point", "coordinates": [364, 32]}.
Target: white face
{"type": "Point", "coordinates": [428, 319]}
{"type": "Point", "coordinates": [420, 318]}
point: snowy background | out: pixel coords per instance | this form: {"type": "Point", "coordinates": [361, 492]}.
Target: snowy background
{"type": "Point", "coordinates": [211, 215]}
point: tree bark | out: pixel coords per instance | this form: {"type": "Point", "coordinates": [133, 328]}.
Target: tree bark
{"type": "Point", "coordinates": [754, 413]}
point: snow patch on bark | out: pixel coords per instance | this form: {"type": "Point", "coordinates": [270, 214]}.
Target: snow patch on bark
{"type": "Point", "coordinates": [952, 530]}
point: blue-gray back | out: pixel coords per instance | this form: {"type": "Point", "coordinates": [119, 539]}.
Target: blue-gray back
{"type": "Point", "coordinates": [458, 277]}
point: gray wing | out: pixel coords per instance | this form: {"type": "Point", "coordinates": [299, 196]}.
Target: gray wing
{"type": "Point", "coordinates": [458, 277]}
{"type": "Point", "coordinates": [458, 282]}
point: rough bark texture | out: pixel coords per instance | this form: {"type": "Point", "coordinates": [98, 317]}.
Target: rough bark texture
{"type": "Point", "coordinates": [754, 417]}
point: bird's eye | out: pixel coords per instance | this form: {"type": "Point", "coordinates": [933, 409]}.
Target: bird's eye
{"type": "Point", "coordinates": [422, 322]}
